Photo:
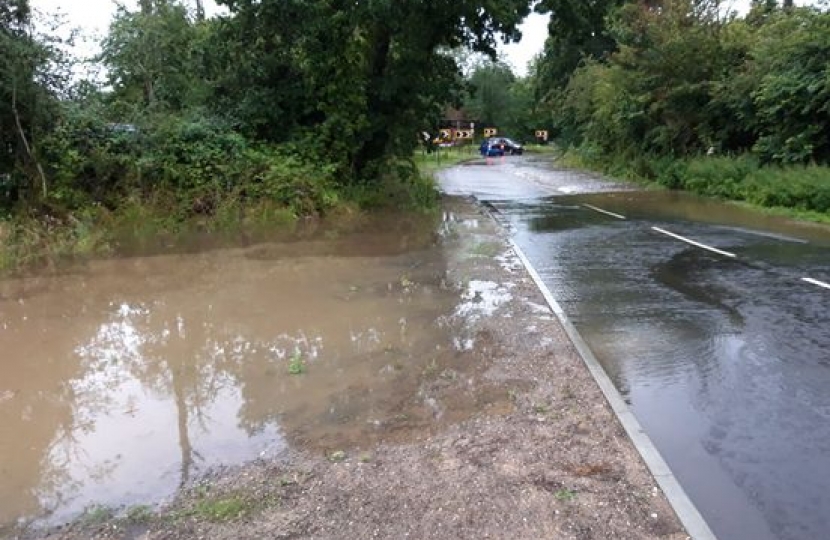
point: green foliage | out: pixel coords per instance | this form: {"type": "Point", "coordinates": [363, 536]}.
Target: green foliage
{"type": "Point", "coordinates": [685, 80]}
{"type": "Point", "coordinates": [792, 87]}
{"type": "Point", "coordinates": [801, 187]}
{"type": "Point", "coordinates": [152, 56]}
{"type": "Point", "coordinates": [356, 78]}
{"type": "Point", "coordinates": [276, 110]}
{"type": "Point", "coordinates": [296, 364]}
{"type": "Point", "coordinates": [497, 98]}
{"type": "Point", "coordinates": [32, 72]}
{"type": "Point", "coordinates": [221, 509]}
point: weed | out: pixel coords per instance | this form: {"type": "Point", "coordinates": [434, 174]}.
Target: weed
{"type": "Point", "coordinates": [565, 495]}
{"type": "Point", "coordinates": [96, 514]}
{"type": "Point", "coordinates": [224, 509]}
{"type": "Point", "coordinates": [541, 409]}
{"type": "Point", "coordinates": [139, 514]}
{"type": "Point", "coordinates": [365, 457]}
{"type": "Point", "coordinates": [296, 365]}
{"type": "Point", "coordinates": [337, 456]}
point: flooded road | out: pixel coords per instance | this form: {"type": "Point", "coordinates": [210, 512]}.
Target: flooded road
{"type": "Point", "coordinates": [121, 380]}
{"type": "Point", "coordinates": [725, 359]}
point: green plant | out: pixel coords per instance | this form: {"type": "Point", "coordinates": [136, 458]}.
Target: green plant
{"type": "Point", "coordinates": [337, 456]}
{"type": "Point", "coordinates": [96, 514]}
{"type": "Point", "coordinates": [223, 509]}
{"type": "Point", "coordinates": [139, 514]}
{"type": "Point", "coordinates": [296, 364]}
{"type": "Point", "coordinates": [565, 495]}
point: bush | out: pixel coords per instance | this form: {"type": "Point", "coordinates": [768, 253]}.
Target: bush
{"type": "Point", "coordinates": [722, 177]}
{"type": "Point", "coordinates": [800, 187]}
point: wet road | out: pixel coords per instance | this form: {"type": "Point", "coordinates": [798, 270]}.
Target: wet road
{"type": "Point", "coordinates": [723, 355]}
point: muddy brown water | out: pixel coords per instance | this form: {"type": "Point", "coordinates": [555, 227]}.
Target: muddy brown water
{"type": "Point", "coordinates": [122, 379]}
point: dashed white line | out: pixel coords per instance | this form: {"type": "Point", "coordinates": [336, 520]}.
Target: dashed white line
{"type": "Point", "coordinates": [692, 242]}
{"type": "Point", "coordinates": [600, 210]}
{"type": "Point", "coordinates": [816, 282]}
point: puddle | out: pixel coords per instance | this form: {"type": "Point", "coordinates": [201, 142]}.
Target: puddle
{"type": "Point", "coordinates": [124, 379]}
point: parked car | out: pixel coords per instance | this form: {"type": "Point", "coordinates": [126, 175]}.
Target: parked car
{"type": "Point", "coordinates": [491, 148]}
{"type": "Point", "coordinates": [499, 146]}
{"type": "Point", "coordinates": [510, 146]}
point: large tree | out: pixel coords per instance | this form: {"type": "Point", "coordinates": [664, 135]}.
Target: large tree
{"type": "Point", "coordinates": [359, 78]}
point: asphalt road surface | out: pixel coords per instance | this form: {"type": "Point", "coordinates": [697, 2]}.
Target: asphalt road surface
{"type": "Point", "coordinates": [712, 320]}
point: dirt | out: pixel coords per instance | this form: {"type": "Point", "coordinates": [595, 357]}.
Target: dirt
{"type": "Point", "coordinates": [543, 456]}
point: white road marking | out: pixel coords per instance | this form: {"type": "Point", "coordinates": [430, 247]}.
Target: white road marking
{"type": "Point", "coordinates": [816, 282]}
{"type": "Point", "coordinates": [600, 210]}
{"type": "Point", "coordinates": [692, 242]}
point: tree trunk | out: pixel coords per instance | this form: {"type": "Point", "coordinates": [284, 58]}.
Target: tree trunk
{"type": "Point", "coordinates": [25, 141]}
{"type": "Point", "coordinates": [375, 146]}
{"type": "Point", "coordinates": [200, 10]}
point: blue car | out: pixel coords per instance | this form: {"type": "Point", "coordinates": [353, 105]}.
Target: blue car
{"type": "Point", "coordinates": [491, 148]}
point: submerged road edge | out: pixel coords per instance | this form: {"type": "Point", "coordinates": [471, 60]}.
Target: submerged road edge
{"type": "Point", "coordinates": [686, 511]}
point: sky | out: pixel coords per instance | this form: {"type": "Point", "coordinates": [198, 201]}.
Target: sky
{"type": "Point", "coordinates": [92, 17]}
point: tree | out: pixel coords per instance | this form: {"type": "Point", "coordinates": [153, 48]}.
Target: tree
{"type": "Point", "coordinates": [29, 81]}
{"type": "Point", "coordinates": [359, 78]}
{"type": "Point", "coordinates": [150, 55]}
{"type": "Point", "coordinates": [791, 86]}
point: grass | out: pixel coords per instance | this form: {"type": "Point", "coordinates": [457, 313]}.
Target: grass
{"type": "Point", "coordinates": [96, 514]}
{"type": "Point", "coordinates": [221, 509]}
{"type": "Point", "coordinates": [139, 514]}
{"type": "Point", "coordinates": [565, 495]}
{"type": "Point", "coordinates": [795, 191]}
{"type": "Point", "coordinates": [429, 164]}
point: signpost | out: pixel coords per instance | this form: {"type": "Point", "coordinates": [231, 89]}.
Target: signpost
{"type": "Point", "coordinates": [490, 132]}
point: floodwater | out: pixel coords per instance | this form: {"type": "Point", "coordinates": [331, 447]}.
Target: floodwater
{"type": "Point", "coordinates": [725, 362]}
{"type": "Point", "coordinates": [123, 379]}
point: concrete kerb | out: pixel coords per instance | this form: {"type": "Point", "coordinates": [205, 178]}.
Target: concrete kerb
{"type": "Point", "coordinates": [686, 511]}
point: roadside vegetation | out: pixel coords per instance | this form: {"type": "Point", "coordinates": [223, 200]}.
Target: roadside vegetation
{"type": "Point", "coordinates": [252, 119]}
{"type": "Point", "coordinates": [686, 95]}
{"type": "Point", "coordinates": [279, 109]}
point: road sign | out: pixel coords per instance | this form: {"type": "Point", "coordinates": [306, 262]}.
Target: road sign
{"type": "Point", "coordinates": [464, 134]}
{"type": "Point", "coordinates": [490, 132]}
{"type": "Point", "coordinates": [542, 134]}
{"type": "Point", "coordinates": [446, 135]}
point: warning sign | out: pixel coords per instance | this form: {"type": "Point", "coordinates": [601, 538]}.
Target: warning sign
{"type": "Point", "coordinates": [464, 134]}
{"type": "Point", "coordinates": [542, 135]}
{"type": "Point", "coordinates": [490, 132]}
{"type": "Point", "coordinates": [445, 135]}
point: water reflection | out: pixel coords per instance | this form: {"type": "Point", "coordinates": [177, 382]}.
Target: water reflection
{"type": "Point", "coordinates": [122, 380]}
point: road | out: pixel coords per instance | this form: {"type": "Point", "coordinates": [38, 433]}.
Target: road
{"type": "Point", "coordinates": [712, 320]}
